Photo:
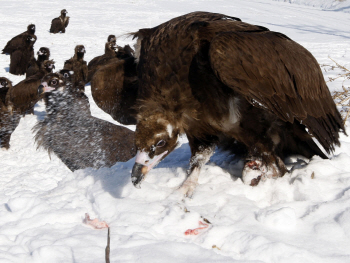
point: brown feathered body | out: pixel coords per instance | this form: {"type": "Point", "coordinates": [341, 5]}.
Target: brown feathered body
{"type": "Point", "coordinates": [79, 66]}
{"type": "Point", "coordinates": [19, 40]}
{"type": "Point", "coordinates": [24, 95]}
{"type": "Point", "coordinates": [77, 138]}
{"type": "Point", "coordinates": [8, 120]}
{"type": "Point", "coordinates": [35, 64]}
{"type": "Point", "coordinates": [215, 78]}
{"type": "Point", "coordinates": [117, 82]}
{"type": "Point", "coordinates": [60, 23]}
{"type": "Point", "coordinates": [20, 57]}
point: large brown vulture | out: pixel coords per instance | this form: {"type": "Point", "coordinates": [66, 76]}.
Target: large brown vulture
{"type": "Point", "coordinates": [217, 79]}
{"type": "Point", "coordinates": [24, 95]}
{"type": "Point", "coordinates": [20, 57]}
{"type": "Point", "coordinates": [60, 23]}
{"type": "Point", "coordinates": [77, 138]}
{"type": "Point", "coordinates": [8, 120]}
{"type": "Point", "coordinates": [35, 64]}
{"type": "Point", "coordinates": [79, 66]}
{"type": "Point", "coordinates": [18, 41]}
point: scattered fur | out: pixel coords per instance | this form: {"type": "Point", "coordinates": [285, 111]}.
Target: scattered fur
{"type": "Point", "coordinates": [8, 120]}
{"type": "Point", "coordinates": [77, 138]}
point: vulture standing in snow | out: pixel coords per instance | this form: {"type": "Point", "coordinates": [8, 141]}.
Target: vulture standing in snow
{"type": "Point", "coordinates": [79, 66]}
{"type": "Point", "coordinates": [77, 138]}
{"type": "Point", "coordinates": [35, 64]}
{"type": "Point", "coordinates": [19, 40]}
{"type": "Point", "coordinates": [24, 95]}
{"type": "Point", "coordinates": [8, 120]}
{"type": "Point", "coordinates": [20, 57]}
{"type": "Point", "coordinates": [217, 79]}
{"type": "Point", "coordinates": [113, 53]}
{"type": "Point", "coordinates": [60, 23]}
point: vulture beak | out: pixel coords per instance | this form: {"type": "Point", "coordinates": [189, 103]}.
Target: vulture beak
{"type": "Point", "coordinates": [143, 164]}
{"type": "Point", "coordinates": [44, 88]}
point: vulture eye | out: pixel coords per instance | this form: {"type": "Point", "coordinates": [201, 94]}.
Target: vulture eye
{"type": "Point", "coordinates": [161, 143]}
{"type": "Point", "coordinates": [54, 82]}
{"type": "Point", "coordinates": [66, 75]}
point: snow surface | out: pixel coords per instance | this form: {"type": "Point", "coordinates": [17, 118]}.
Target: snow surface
{"type": "Point", "coordinates": [302, 217]}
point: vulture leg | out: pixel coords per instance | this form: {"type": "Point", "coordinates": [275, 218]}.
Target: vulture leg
{"type": "Point", "coordinates": [201, 153]}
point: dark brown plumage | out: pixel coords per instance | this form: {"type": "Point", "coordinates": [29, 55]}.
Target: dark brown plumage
{"type": "Point", "coordinates": [215, 79]}
{"type": "Point", "coordinates": [8, 120]}
{"type": "Point", "coordinates": [113, 53]}
{"type": "Point", "coordinates": [24, 95]}
{"type": "Point", "coordinates": [117, 82]}
{"type": "Point", "coordinates": [19, 40]}
{"type": "Point", "coordinates": [77, 138]}
{"type": "Point", "coordinates": [60, 23]}
{"type": "Point", "coordinates": [35, 64]}
{"type": "Point", "coordinates": [20, 57]}
{"type": "Point", "coordinates": [79, 66]}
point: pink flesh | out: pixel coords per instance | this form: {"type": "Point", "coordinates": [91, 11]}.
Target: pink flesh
{"type": "Point", "coordinates": [95, 223]}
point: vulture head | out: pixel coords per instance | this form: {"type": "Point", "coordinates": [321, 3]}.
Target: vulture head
{"type": "Point", "coordinates": [111, 38]}
{"type": "Point", "coordinates": [48, 65]}
{"type": "Point", "coordinates": [30, 40]}
{"type": "Point", "coordinates": [80, 51]}
{"type": "Point", "coordinates": [67, 75]}
{"type": "Point", "coordinates": [155, 138]}
{"type": "Point", "coordinates": [64, 12]}
{"type": "Point", "coordinates": [5, 85]}
{"type": "Point", "coordinates": [43, 53]}
{"type": "Point", "coordinates": [51, 82]}
{"type": "Point", "coordinates": [31, 29]}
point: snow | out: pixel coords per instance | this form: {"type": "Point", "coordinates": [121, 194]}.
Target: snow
{"type": "Point", "coordinates": [301, 217]}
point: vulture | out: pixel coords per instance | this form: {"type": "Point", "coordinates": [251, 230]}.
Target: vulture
{"type": "Point", "coordinates": [20, 57]}
{"type": "Point", "coordinates": [222, 81]}
{"type": "Point", "coordinates": [112, 53]}
{"type": "Point", "coordinates": [60, 23]}
{"type": "Point", "coordinates": [24, 95]}
{"type": "Point", "coordinates": [8, 120]}
{"type": "Point", "coordinates": [35, 64]}
{"type": "Point", "coordinates": [69, 131]}
{"type": "Point", "coordinates": [18, 41]}
{"type": "Point", "coordinates": [79, 66]}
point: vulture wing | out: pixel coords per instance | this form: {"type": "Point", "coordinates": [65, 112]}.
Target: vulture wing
{"type": "Point", "coordinates": [114, 89]}
{"type": "Point", "coordinates": [273, 72]}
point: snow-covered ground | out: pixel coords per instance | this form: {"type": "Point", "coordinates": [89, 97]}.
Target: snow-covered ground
{"type": "Point", "coordinates": [302, 217]}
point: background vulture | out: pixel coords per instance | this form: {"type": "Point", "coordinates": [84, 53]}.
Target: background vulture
{"type": "Point", "coordinates": [35, 64]}
{"type": "Point", "coordinates": [77, 138]}
{"type": "Point", "coordinates": [79, 66]}
{"type": "Point", "coordinates": [8, 120]}
{"type": "Point", "coordinates": [20, 57]}
{"type": "Point", "coordinates": [19, 40]}
{"type": "Point", "coordinates": [24, 94]}
{"type": "Point", "coordinates": [218, 79]}
{"type": "Point", "coordinates": [60, 23]}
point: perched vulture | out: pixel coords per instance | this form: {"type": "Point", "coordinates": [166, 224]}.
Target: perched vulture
{"type": "Point", "coordinates": [20, 57]}
{"type": "Point", "coordinates": [217, 79]}
{"type": "Point", "coordinates": [113, 53]}
{"type": "Point", "coordinates": [79, 66]}
{"type": "Point", "coordinates": [114, 88]}
{"type": "Point", "coordinates": [8, 120]}
{"type": "Point", "coordinates": [35, 64]}
{"type": "Point", "coordinates": [19, 40]}
{"type": "Point", "coordinates": [24, 95]}
{"type": "Point", "coordinates": [77, 138]}
{"type": "Point", "coordinates": [60, 23]}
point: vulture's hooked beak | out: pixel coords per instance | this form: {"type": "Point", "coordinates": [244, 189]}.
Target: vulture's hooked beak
{"type": "Point", "coordinates": [143, 164]}
{"type": "Point", "coordinates": [44, 88]}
